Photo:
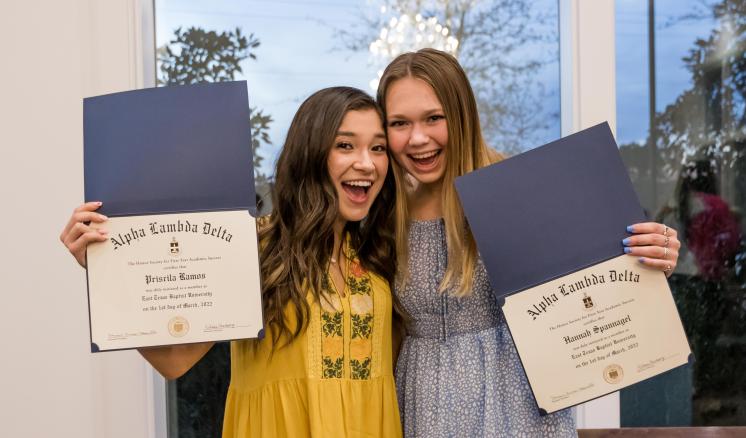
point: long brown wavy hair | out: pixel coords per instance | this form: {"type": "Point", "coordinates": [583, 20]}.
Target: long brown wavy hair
{"type": "Point", "coordinates": [466, 151]}
{"type": "Point", "coordinates": [296, 239]}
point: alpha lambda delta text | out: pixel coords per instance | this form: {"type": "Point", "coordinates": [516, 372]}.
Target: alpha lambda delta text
{"type": "Point", "coordinates": [563, 290]}
{"type": "Point", "coordinates": [155, 228]}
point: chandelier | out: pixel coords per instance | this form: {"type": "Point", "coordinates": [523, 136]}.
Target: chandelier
{"type": "Point", "coordinates": [407, 33]}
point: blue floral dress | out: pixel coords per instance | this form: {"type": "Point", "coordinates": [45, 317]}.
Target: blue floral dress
{"type": "Point", "coordinates": [458, 373]}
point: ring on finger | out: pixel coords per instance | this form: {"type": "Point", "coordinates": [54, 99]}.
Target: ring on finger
{"type": "Point", "coordinates": [665, 244]}
{"type": "Point", "coordinates": [667, 268]}
{"type": "Point", "coordinates": [665, 253]}
{"type": "Point", "coordinates": [665, 230]}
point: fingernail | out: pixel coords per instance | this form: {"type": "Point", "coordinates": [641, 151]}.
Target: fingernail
{"type": "Point", "coordinates": [641, 260]}
{"type": "Point", "coordinates": [103, 218]}
{"type": "Point", "coordinates": [627, 250]}
{"type": "Point", "coordinates": [630, 229]}
{"type": "Point", "coordinates": [99, 203]}
{"type": "Point", "coordinates": [625, 242]}
{"type": "Point", "coordinates": [103, 231]}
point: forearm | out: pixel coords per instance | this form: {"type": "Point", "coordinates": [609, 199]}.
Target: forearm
{"type": "Point", "coordinates": [173, 361]}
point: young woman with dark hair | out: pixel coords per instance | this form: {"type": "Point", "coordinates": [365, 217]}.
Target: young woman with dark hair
{"type": "Point", "coordinates": [325, 367]}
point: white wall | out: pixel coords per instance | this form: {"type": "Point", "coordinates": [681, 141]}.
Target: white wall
{"type": "Point", "coordinates": [53, 54]}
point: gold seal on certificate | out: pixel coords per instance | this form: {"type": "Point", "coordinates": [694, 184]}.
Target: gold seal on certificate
{"type": "Point", "coordinates": [175, 278]}
{"type": "Point", "coordinates": [613, 373]}
{"type": "Point", "coordinates": [595, 331]}
{"type": "Point", "coordinates": [178, 326]}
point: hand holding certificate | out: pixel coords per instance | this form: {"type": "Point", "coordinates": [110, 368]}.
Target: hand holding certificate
{"type": "Point", "coordinates": [586, 318]}
{"type": "Point", "coordinates": [173, 169]}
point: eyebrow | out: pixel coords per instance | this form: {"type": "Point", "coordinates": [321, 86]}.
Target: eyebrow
{"type": "Point", "coordinates": [426, 113]}
{"type": "Point", "coordinates": [352, 134]}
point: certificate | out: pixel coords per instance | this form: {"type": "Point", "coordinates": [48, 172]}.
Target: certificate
{"type": "Point", "coordinates": [177, 278]}
{"type": "Point", "coordinates": [586, 319]}
{"type": "Point", "coordinates": [595, 331]}
{"type": "Point", "coordinates": [173, 168]}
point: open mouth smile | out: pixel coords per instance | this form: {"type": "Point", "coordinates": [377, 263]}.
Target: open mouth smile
{"type": "Point", "coordinates": [425, 160]}
{"type": "Point", "coordinates": [357, 190]}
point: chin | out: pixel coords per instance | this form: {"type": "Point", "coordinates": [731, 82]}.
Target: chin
{"type": "Point", "coordinates": [431, 179]}
{"type": "Point", "coordinates": [428, 178]}
{"type": "Point", "coordinates": [355, 216]}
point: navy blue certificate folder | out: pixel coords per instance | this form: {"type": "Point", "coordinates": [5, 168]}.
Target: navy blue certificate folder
{"type": "Point", "coordinates": [550, 211]}
{"type": "Point", "coordinates": [169, 150]}
{"type": "Point", "coordinates": [173, 167]}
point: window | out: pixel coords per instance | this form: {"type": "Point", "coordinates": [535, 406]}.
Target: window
{"type": "Point", "coordinates": [681, 84]}
{"type": "Point", "coordinates": [287, 49]}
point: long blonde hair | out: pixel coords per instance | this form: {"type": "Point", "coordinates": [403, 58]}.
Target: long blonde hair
{"type": "Point", "coordinates": [466, 151]}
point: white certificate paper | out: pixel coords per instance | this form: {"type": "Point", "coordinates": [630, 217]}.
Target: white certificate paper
{"type": "Point", "coordinates": [174, 279]}
{"type": "Point", "coordinates": [595, 331]}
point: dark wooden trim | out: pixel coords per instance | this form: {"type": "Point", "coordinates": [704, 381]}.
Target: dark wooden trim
{"type": "Point", "coordinates": [665, 432]}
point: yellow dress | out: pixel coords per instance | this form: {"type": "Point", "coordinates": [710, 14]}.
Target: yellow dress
{"type": "Point", "coordinates": [334, 380]}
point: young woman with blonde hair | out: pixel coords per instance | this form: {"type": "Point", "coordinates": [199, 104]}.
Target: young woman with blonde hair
{"type": "Point", "coordinates": [325, 367]}
{"type": "Point", "coordinates": [458, 373]}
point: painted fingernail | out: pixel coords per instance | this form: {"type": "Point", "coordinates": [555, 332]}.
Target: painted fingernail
{"type": "Point", "coordinates": [627, 250]}
{"type": "Point", "coordinates": [99, 203]}
{"type": "Point", "coordinates": [641, 260]}
{"type": "Point", "coordinates": [625, 242]}
{"type": "Point", "coordinates": [630, 229]}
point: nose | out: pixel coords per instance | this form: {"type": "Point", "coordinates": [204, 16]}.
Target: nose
{"type": "Point", "coordinates": [418, 136]}
{"type": "Point", "coordinates": [364, 162]}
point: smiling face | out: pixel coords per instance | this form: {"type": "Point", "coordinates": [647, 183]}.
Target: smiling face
{"type": "Point", "coordinates": [417, 129]}
{"type": "Point", "coordinates": [358, 163]}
